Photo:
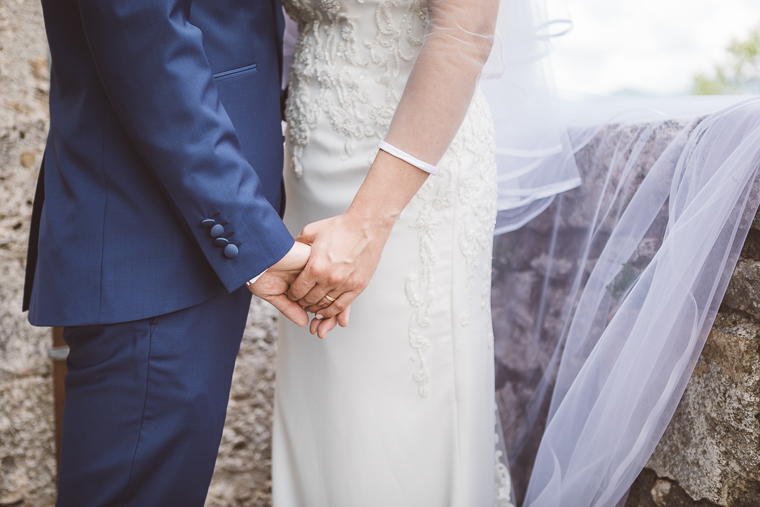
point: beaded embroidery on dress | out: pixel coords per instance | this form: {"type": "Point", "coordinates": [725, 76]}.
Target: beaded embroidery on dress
{"type": "Point", "coordinates": [333, 60]}
{"type": "Point", "coordinates": [397, 408]}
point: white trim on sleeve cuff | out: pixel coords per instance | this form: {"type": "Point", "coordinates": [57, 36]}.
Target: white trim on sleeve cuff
{"type": "Point", "coordinates": [419, 164]}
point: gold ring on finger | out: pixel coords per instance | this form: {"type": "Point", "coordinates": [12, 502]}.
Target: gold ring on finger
{"type": "Point", "coordinates": [330, 299]}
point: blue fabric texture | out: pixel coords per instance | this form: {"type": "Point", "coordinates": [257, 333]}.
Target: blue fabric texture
{"type": "Point", "coordinates": [144, 144]}
{"type": "Point", "coordinates": [145, 406]}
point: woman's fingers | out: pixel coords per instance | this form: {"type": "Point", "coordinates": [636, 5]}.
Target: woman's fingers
{"type": "Point", "coordinates": [340, 305]}
{"type": "Point", "coordinates": [313, 325]}
{"type": "Point", "coordinates": [325, 326]}
{"type": "Point", "coordinates": [322, 327]}
{"type": "Point", "coordinates": [316, 296]}
{"type": "Point", "coordinates": [323, 303]}
{"type": "Point", "coordinates": [343, 317]}
{"type": "Point", "coordinates": [301, 286]}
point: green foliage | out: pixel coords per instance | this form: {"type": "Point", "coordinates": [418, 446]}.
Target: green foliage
{"type": "Point", "coordinates": [623, 281]}
{"type": "Point", "coordinates": [740, 74]}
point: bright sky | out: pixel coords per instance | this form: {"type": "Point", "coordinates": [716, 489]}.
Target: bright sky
{"type": "Point", "coordinates": [649, 46]}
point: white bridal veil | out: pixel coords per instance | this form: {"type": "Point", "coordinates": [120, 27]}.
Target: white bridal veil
{"type": "Point", "coordinates": [533, 153]}
{"type": "Point", "coordinates": [621, 280]}
{"type": "Point", "coordinates": [602, 304]}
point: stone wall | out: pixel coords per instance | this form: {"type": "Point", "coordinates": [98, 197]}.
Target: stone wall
{"type": "Point", "coordinates": [242, 477]}
{"type": "Point", "coordinates": [710, 453]}
{"type": "Point", "coordinates": [27, 454]}
{"type": "Point", "coordinates": [711, 450]}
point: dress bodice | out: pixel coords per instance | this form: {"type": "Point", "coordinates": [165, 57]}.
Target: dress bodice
{"type": "Point", "coordinates": [350, 65]}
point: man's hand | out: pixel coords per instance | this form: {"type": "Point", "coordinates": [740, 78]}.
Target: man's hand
{"type": "Point", "coordinates": [274, 283]}
{"type": "Point", "coordinates": [345, 252]}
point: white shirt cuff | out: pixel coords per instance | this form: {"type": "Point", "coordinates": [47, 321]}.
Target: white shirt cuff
{"type": "Point", "coordinates": [255, 278]}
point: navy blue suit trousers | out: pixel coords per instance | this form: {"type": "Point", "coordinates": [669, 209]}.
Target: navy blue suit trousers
{"type": "Point", "coordinates": [145, 406]}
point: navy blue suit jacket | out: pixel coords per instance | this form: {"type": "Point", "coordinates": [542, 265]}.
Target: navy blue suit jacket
{"type": "Point", "coordinates": [162, 113]}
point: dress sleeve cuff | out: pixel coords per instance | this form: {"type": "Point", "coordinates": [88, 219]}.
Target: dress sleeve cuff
{"type": "Point", "coordinates": [392, 150]}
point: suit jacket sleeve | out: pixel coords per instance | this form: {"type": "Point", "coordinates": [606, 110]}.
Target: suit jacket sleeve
{"type": "Point", "coordinates": [155, 71]}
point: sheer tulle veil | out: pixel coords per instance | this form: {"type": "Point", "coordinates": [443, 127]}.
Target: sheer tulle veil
{"type": "Point", "coordinates": [533, 152]}
{"type": "Point", "coordinates": [655, 234]}
{"type": "Point", "coordinates": [640, 257]}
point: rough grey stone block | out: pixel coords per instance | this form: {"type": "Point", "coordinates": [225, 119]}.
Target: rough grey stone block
{"type": "Point", "coordinates": [242, 474]}
{"type": "Point", "coordinates": [712, 445]}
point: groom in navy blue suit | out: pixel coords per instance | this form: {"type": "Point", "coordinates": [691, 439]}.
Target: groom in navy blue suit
{"type": "Point", "coordinates": [159, 198]}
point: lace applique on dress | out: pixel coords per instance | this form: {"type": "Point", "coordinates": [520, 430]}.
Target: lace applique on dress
{"type": "Point", "coordinates": [420, 287]}
{"type": "Point", "coordinates": [475, 194]}
{"type": "Point", "coordinates": [332, 65]}
{"type": "Point", "coordinates": [503, 481]}
{"type": "Point", "coordinates": [472, 147]}
{"type": "Point", "coordinates": [354, 80]}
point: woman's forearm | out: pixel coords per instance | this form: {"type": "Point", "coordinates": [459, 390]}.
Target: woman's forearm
{"type": "Point", "coordinates": [389, 186]}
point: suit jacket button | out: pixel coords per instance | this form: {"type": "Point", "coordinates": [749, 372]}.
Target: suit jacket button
{"type": "Point", "coordinates": [230, 251]}
{"type": "Point", "coordinates": [221, 242]}
{"type": "Point", "coordinates": [217, 231]}
{"type": "Point", "coordinates": [207, 223]}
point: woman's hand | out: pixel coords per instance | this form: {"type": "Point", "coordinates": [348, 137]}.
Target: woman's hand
{"type": "Point", "coordinates": [345, 251]}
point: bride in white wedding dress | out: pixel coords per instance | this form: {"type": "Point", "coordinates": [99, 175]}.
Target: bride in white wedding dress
{"type": "Point", "coordinates": [397, 409]}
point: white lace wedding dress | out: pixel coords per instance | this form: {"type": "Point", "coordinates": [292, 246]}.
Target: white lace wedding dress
{"type": "Point", "coordinates": [398, 408]}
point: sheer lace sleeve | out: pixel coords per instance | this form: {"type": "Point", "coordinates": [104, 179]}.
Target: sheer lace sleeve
{"type": "Point", "coordinates": [458, 40]}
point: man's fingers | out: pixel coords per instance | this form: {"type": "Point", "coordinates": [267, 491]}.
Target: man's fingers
{"type": "Point", "coordinates": [294, 260]}
{"type": "Point", "coordinates": [323, 303]}
{"type": "Point", "coordinates": [339, 306]}
{"type": "Point", "coordinates": [290, 309]}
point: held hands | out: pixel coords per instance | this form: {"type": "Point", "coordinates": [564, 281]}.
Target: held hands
{"type": "Point", "coordinates": [333, 260]}
{"type": "Point", "coordinates": [345, 251]}
{"type": "Point", "coordinates": [335, 256]}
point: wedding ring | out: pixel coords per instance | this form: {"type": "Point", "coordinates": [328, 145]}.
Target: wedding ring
{"type": "Point", "coordinates": [330, 299]}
